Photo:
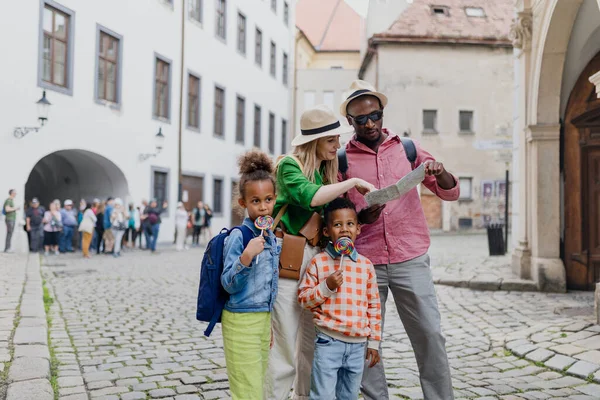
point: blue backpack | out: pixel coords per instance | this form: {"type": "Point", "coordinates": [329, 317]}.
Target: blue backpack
{"type": "Point", "coordinates": [211, 295]}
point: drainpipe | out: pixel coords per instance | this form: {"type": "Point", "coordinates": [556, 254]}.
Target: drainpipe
{"type": "Point", "coordinates": [292, 128]}
{"type": "Point", "coordinates": [179, 171]}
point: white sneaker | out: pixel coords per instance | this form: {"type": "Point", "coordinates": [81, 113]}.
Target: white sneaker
{"type": "Point", "coordinates": [56, 253]}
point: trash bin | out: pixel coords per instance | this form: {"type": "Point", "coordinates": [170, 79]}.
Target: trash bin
{"type": "Point", "coordinates": [495, 239]}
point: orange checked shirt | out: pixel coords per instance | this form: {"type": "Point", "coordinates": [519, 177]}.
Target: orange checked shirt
{"type": "Point", "coordinates": [352, 312]}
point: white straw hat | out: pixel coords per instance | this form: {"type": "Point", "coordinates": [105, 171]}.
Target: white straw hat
{"type": "Point", "coordinates": [361, 88]}
{"type": "Point", "coordinates": [319, 122]}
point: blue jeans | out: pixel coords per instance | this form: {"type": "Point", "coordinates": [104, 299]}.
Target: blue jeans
{"type": "Point", "coordinates": [337, 369]}
{"type": "Point", "coordinates": [66, 239]}
{"type": "Point", "coordinates": [155, 229]}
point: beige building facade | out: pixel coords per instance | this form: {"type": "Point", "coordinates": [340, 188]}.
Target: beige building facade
{"type": "Point", "coordinates": [557, 142]}
{"type": "Point", "coordinates": [327, 54]}
{"type": "Point", "coordinates": [449, 80]}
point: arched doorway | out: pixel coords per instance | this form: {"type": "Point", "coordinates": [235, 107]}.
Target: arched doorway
{"type": "Point", "coordinates": [75, 174]}
{"type": "Point", "coordinates": [581, 155]}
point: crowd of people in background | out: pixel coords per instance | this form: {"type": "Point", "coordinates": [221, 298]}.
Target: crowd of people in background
{"type": "Point", "coordinates": [103, 227]}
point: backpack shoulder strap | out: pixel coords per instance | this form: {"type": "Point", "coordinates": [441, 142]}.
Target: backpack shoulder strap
{"type": "Point", "coordinates": [342, 162]}
{"type": "Point", "coordinates": [410, 149]}
{"type": "Point", "coordinates": [247, 234]}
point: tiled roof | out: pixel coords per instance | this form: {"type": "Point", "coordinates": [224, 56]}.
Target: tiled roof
{"type": "Point", "coordinates": [329, 25]}
{"type": "Point", "coordinates": [419, 22]}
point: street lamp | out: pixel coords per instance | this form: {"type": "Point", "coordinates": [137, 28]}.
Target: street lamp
{"type": "Point", "coordinates": [43, 106]}
{"type": "Point", "coordinates": [159, 140]}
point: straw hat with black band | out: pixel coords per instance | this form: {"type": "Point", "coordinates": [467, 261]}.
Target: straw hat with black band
{"type": "Point", "coordinates": [360, 88]}
{"type": "Point", "coordinates": [319, 122]}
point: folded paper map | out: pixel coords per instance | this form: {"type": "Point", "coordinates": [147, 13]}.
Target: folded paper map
{"type": "Point", "coordinates": [398, 189]}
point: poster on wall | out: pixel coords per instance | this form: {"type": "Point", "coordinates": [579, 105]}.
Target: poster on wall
{"type": "Point", "coordinates": [487, 190]}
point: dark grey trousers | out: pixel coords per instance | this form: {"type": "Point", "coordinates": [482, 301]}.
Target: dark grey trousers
{"type": "Point", "coordinates": [411, 284]}
{"type": "Point", "coordinates": [10, 228]}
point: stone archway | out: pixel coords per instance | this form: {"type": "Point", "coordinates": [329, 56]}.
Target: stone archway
{"type": "Point", "coordinates": [75, 174]}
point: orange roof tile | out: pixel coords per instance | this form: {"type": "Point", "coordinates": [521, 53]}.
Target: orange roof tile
{"type": "Point", "coordinates": [419, 22]}
{"type": "Point", "coordinates": [329, 25]}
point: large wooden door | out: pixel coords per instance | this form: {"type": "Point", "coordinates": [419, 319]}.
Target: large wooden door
{"type": "Point", "coordinates": [581, 169]}
{"type": "Point", "coordinates": [194, 186]}
{"type": "Point", "coordinates": [592, 211]}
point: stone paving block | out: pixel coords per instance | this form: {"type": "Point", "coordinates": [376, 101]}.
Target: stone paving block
{"type": "Point", "coordinates": [524, 349]}
{"type": "Point", "coordinates": [577, 326]}
{"type": "Point", "coordinates": [71, 390]}
{"type": "Point", "coordinates": [592, 343]}
{"type": "Point", "coordinates": [30, 335]}
{"type": "Point", "coordinates": [108, 391]}
{"type": "Point", "coordinates": [186, 389]}
{"type": "Point", "coordinates": [37, 389]}
{"type": "Point", "coordinates": [144, 386]}
{"type": "Point", "coordinates": [159, 393]}
{"type": "Point", "coordinates": [592, 356]}
{"type": "Point", "coordinates": [583, 369]}
{"type": "Point", "coordinates": [540, 355]}
{"type": "Point", "coordinates": [560, 362]}
{"type": "Point", "coordinates": [99, 376]}
{"type": "Point", "coordinates": [591, 389]}
{"type": "Point", "coordinates": [133, 396]}
{"type": "Point", "coordinates": [77, 396]}
{"type": "Point", "coordinates": [99, 384]}
{"type": "Point", "coordinates": [568, 349]}
{"type": "Point", "coordinates": [187, 397]}
{"type": "Point", "coordinates": [26, 368]}
{"type": "Point", "coordinates": [70, 381]}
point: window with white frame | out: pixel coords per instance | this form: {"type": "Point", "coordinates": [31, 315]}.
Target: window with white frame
{"type": "Point", "coordinates": [466, 188]}
{"type": "Point", "coordinates": [274, 5]}
{"type": "Point", "coordinates": [258, 47]}
{"type": "Point", "coordinates": [162, 88]}
{"type": "Point", "coordinates": [195, 10]}
{"type": "Point", "coordinates": [221, 19]}
{"type": "Point", "coordinates": [284, 136]}
{"type": "Point", "coordinates": [309, 99]}
{"type": "Point", "coordinates": [240, 124]}
{"type": "Point", "coordinates": [56, 47]}
{"type": "Point", "coordinates": [284, 72]}
{"type": "Point", "coordinates": [219, 122]}
{"type": "Point", "coordinates": [465, 121]}
{"type": "Point", "coordinates": [193, 102]}
{"type": "Point", "coordinates": [241, 42]}
{"type": "Point", "coordinates": [328, 99]}
{"type": "Point", "coordinates": [108, 74]}
{"type": "Point", "coordinates": [257, 126]}
{"type": "Point", "coordinates": [271, 133]}
{"type": "Point", "coordinates": [430, 121]}
{"type": "Point", "coordinates": [218, 196]}
{"type": "Point", "coordinates": [286, 13]}
{"type": "Point", "coordinates": [273, 68]}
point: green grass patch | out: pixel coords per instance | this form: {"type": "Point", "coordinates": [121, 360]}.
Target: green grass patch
{"type": "Point", "coordinates": [507, 353]}
{"type": "Point", "coordinates": [54, 362]}
{"type": "Point", "coordinates": [563, 335]}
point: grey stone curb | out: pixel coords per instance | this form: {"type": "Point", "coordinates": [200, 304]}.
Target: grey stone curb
{"type": "Point", "coordinates": [571, 349]}
{"type": "Point", "coordinates": [514, 285]}
{"type": "Point", "coordinates": [29, 374]}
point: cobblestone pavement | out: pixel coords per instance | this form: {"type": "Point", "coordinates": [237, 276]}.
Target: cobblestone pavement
{"type": "Point", "coordinates": [464, 261]}
{"type": "Point", "coordinates": [125, 329]}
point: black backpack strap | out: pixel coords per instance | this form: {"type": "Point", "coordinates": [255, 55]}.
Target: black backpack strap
{"type": "Point", "coordinates": [410, 149]}
{"type": "Point", "coordinates": [342, 162]}
{"type": "Point", "coordinates": [213, 321]}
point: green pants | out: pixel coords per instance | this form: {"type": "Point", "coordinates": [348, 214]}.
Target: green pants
{"type": "Point", "coordinates": [246, 340]}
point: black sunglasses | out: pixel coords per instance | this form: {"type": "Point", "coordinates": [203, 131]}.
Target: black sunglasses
{"type": "Point", "coordinates": [362, 119]}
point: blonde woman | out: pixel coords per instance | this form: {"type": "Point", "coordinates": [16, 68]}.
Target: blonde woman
{"type": "Point", "coordinates": [306, 182]}
{"type": "Point", "coordinates": [118, 219]}
{"type": "Point", "coordinates": [86, 227]}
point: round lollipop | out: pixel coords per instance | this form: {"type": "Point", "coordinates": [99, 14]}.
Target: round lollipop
{"type": "Point", "coordinates": [345, 247]}
{"type": "Point", "coordinates": [263, 222]}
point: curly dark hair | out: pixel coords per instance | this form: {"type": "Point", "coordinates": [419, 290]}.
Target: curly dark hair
{"type": "Point", "coordinates": [255, 165]}
{"type": "Point", "coordinates": [340, 203]}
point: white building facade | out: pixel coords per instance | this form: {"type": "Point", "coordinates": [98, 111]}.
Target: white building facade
{"type": "Point", "coordinates": [117, 72]}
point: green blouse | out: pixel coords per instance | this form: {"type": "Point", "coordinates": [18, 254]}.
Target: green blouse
{"type": "Point", "coordinates": [294, 189]}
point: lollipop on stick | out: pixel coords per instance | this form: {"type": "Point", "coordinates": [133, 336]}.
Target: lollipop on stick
{"type": "Point", "coordinates": [263, 222]}
{"type": "Point", "coordinates": [345, 247]}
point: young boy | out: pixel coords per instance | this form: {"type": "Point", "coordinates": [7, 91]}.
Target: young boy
{"type": "Point", "coordinates": [345, 305]}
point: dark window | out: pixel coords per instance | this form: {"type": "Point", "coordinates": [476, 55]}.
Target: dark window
{"type": "Point", "coordinates": [55, 67]}
{"type": "Point", "coordinates": [195, 10]}
{"type": "Point", "coordinates": [285, 69]}
{"type": "Point", "coordinates": [218, 196]}
{"type": "Point", "coordinates": [286, 13]}
{"type": "Point", "coordinates": [241, 45]}
{"type": "Point", "coordinates": [274, 5]}
{"type": "Point", "coordinates": [430, 121]}
{"type": "Point", "coordinates": [273, 58]}
{"type": "Point", "coordinates": [258, 47]}
{"type": "Point", "coordinates": [108, 67]}
{"type": "Point", "coordinates": [284, 136]}
{"type": "Point", "coordinates": [161, 89]}
{"type": "Point", "coordinates": [240, 120]}
{"type": "Point", "coordinates": [219, 111]}
{"type": "Point", "coordinates": [193, 101]}
{"type": "Point", "coordinates": [160, 187]}
{"type": "Point", "coordinates": [440, 10]}
{"type": "Point", "coordinates": [221, 14]}
{"type": "Point", "coordinates": [465, 121]}
{"type": "Point", "coordinates": [257, 133]}
{"type": "Point", "coordinates": [271, 133]}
